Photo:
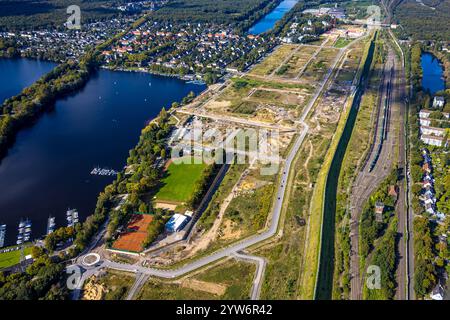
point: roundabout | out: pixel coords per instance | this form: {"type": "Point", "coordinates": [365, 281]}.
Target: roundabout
{"type": "Point", "coordinates": [90, 259]}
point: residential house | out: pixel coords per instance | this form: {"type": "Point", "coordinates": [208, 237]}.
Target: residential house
{"type": "Point", "coordinates": [425, 122]}
{"type": "Point", "coordinates": [427, 184]}
{"type": "Point", "coordinates": [427, 167]}
{"type": "Point", "coordinates": [438, 292]}
{"type": "Point", "coordinates": [434, 141]}
{"type": "Point", "coordinates": [425, 130]}
{"type": "Point", "coordinates": [393, 192]}
{"type": "Point", "coordinates": [379, 209]}
{"type": "Point", "coordinates": [429, 208]}
{"type": "Point", "coordinates": [424, 113]}
{"type": "Point", "coordinates": [438, 102]}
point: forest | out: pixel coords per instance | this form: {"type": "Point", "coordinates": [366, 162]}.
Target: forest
{"type": "Point", "coordinates": [26, 14]}
{"type": "Point", "coordinates": [31, 14]}
{"type": "Point", "coordinates": [422, 22]}
{"type": "Point", "coordinates": [43, 280]}
{"type": "Point", "coordinates": [240, 14]}
{"type": "Point", "coordinates": [430, 253]}
{"type": "Point", "coordinates": [24, 108]}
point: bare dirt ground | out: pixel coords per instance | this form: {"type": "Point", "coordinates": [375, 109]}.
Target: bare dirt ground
{"type": "Point", "coordinates": [210, 287]}
{"type": "Point", "coordinates": [211, 235]}
{"type": "Point", "coordinates": [165, 205]}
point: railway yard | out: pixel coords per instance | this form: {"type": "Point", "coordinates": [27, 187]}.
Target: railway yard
{"type": "Point", "coordinates": [386, 153]}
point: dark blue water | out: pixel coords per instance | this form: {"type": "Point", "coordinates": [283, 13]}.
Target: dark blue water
{"type": "Point", "coordinates": [16, 74]}
{"type": "Point", "coordinates": [48, 168]}
{"type": "Point", "coordinates": [433, 73]}
{"type": "Point", "coordinates": [268, 21]}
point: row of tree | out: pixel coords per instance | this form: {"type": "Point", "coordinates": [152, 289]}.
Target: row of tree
{"type": "Point", "coordinates": [22, 109]}
{"type": "Point", "coordinates": [41, 280]}
{"type": "Point", "coordinates": [370, 229]}
{"type": "Point", "coordinates": [424, 273]}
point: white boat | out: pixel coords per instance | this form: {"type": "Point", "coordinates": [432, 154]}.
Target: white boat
{"type": "Point", "coordinates": [72, 217]}
{"type": "Point", "coordinates": [2, 235]}
{"type": "Point", "coordinates": [51, 225]}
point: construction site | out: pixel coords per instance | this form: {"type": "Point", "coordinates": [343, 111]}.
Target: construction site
{"type": "Point", "coordinates": [297, 95]}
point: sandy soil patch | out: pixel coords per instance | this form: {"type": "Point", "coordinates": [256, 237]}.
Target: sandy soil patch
{"type": "Point", "coordinates": [218, 105]}
{"type": "Point", "coordinates": [210, 287]}
{"type": "Point", "coordinates": [93, 290]}
{"type": "Point", "coordinates": [228, 231]}
{"type": "Point", "coordinates": [166, 206]}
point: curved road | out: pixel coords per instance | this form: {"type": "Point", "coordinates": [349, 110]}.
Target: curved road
{"type": "Point", "coordinates": [241, 245]}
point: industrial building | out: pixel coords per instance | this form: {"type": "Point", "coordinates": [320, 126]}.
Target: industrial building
{"type": "Point", "coordinates": [176, 223]}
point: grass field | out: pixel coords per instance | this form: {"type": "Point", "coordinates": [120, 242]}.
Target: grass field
{"type": "Point", "coordinates": [117, 283]}
{"type": "Point", "coordinates": [238, 98]}
{"type": "Point", "coordinates": [298, 61]}
{"type": "Point", "coordinates": [341, 42]}
{"type": "Point", "coordinates": [179, 184]}
{"type": "Point", "coordinates": [271, 63]}
{"type": "Point", "coordinates": [9, 259]}
{"type": "Point", "coordinates": [232, 276]}
{"type": "Point", "coordinates": [207, 219]}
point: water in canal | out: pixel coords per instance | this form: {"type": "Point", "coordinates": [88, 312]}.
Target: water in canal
{"type": "Point", "coordinates": [48, 168]}
{"type": "Point", "coordinates": [433, 73]}
{"type": "Point", "coordinates": [269, 20]}
{"type": "Point", "coordinates": [324, 284]}
{"type": "Point", "coordinates": [16, 74]}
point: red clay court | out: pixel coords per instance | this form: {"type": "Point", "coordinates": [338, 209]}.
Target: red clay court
{"type": "Point", "coordinates": [133, 238]}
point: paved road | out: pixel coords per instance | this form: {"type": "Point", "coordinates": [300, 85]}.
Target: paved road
{"type": "Point", "coordinates": [141, 279]}
{"type": "Point", "coordinates": [260, 268]}
{"type": "Point", "coordinates": [366, 182]}
{"type": "Point", "coordinates": [241, 245]}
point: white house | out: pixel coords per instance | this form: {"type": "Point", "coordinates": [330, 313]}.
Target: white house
{"type": "Point", "coordinates": [434, 141]}
{"type": "Point", "coordinates": [432, 131]}
{"type": "Point", "coordinates": [427, 184]}
{"type": "Point", "coordinates": [424, 122]}
{"type": "Point", "coordinates": [424, 113]}
{"type": "Point", "coordinates": [438, 102]}
{"type": "Point", "coordinates": [429, 208]}
{"type": "Point", "coordinates": [437, 293]}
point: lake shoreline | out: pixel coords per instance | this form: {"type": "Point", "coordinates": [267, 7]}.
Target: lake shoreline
{"type": "Point", "coordinates": [47, 169]}
{"type": "Point", "coordinates": [433, 73]}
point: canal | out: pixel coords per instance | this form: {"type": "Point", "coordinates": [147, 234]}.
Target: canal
{"type": "Point", "coordinates": [268, 21]}
{"type": "Point", "coordinates": [47, 170]}
{"type": "Point", "coordinates": [432, 73]}
{"type": "Point", "coordinates": [324, 285]}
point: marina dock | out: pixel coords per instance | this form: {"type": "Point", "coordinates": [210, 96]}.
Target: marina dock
{"type": "Point", "coordinates": [97, 171]}
{"type": "Point", "coordinates": [2, 235]}
{"type": "Point", "coordinates": [72, 217]}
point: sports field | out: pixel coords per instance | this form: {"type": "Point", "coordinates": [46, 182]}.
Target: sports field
{"type": "Point", "coordinates": [8, 259]}
{"type": "Point", "coordinates": [135, 235]}
{"type": "Point", "coordinates": [179, 183]}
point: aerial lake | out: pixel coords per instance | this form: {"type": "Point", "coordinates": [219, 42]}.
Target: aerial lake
{"type": "Point", "coordinates": [433, 73]}
{"type": "Point", "coordinates": [16, 74]}
{"type": "Point", "coordinates": [48, 168]}
{"type": "Point", "coordinates": [269, 20]}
